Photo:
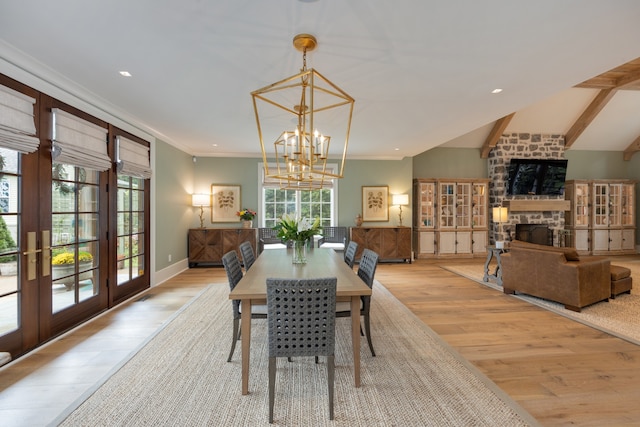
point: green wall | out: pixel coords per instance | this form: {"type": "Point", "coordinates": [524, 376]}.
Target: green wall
{"type": "Point", "coordinates": [397, 174]}
{"type": "Point", "coordinates": [224, 170]}
{"type": "Point", "coordinates": [597, 165]}
{"type": "Point", "coordinates": [450, 163]}
{"type": "Point", "coordinates": [174, 183]}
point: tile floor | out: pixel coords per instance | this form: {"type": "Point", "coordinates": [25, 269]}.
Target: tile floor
{"type": "Point", "coordinates": [38, 387]}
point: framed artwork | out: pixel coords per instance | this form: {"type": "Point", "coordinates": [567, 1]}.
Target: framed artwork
{"type": "Point", "coordinates": [375, 203]}
{"type": "Point", "coordinates": [225, 202]}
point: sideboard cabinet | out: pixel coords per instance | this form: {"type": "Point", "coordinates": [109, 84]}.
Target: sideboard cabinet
{"type": "Point", "coordinates": [208, 245]}
{"type": "Point", "coordinates": [450, 217]}
{"type": "Point", "coordinates": [390, 243]}
{"type": "Point", "coordinates": [602, 216]}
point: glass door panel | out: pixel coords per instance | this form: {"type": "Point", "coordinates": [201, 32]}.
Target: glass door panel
{"type": "Point", "coordinates": [130, 225]}
{"type": "Point", "coordinates": [10, 289]}
{"type": "Point", "coordinates": [74, 246]}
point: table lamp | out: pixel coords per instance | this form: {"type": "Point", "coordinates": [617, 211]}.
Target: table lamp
{"type": "Point", "coordinates": [201, 200]}
{"type": "Point", "coordinates": [500, 216]}
{"type": "Point", "coordinates": [400, 200]}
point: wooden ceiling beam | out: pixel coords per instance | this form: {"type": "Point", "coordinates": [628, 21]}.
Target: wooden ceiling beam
{"type": "Point", "coordinates": [632, 149]}
{"type": "Point", "coordinates": [494, 135]}
{"type": "Point", "coordinates": [587, 116]}
{"type": "Point", "coordinates": [629, 79]}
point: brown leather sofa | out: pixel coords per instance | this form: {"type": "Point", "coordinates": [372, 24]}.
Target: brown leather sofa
{"type": "Point", "coordinates": [556, 274]}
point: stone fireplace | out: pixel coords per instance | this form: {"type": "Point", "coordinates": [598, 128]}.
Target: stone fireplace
{"type": "Point", "coordinates": [522, 145]}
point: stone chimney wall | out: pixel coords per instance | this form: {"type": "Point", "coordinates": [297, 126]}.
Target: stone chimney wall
{"type": "Point", "coordinates": [522, 145]}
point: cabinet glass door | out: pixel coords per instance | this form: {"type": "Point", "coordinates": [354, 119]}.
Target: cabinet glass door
{"type": "Point", "coordinates": [581, 204]}
{"type": "Point", "coordinates": [427, 205]}
{"type": "Point", "coordinates": [478, 205]}
{"type": "Point", "coordinates": [463, 205]}
{"type": "Point", "coordinates": [600, 205]}
{"type": "Point", "coordinates": [627, 208]}
{"type": "Point", "coordinates": [447, 205]}
{"type": "Point", "coordinates": [614, 204]}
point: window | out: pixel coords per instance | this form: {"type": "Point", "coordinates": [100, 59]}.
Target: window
{"type": "Point", "coordinates": [309, 204]}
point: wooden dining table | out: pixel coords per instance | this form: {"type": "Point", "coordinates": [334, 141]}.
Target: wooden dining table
{"type": "Point", "coordinates": [277, 263]}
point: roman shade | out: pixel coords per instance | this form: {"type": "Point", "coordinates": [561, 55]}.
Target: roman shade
{"type": "Point", "coordinates": [133, 158]}
{"type": "Point", "coordinates": [17, 122]}
{"type": "Point", "coordinates": [78, 142]}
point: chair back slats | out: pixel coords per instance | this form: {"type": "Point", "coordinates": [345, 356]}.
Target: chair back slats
{"type": "Point", "coordinates": [301, 316]}
{"type": "Point", "coordinates": [233, 269]}
{"type": "Point", "coordinates": [368, 265]}
{"type": "Point", "coordinates": [248, 257]}
{"type": "Point", "coordinates": [333, 235]}
{"type": "Point", "coordinates": [350, 253]}
{"type": "Point", "coordinates": [267, 236]}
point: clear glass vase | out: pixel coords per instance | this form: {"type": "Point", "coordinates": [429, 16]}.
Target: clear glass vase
{"type": "Point", "coordinates": [299, 252]}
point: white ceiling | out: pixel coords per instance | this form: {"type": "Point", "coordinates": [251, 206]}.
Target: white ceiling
{"type": "Point", "coordinates": [421, 71]}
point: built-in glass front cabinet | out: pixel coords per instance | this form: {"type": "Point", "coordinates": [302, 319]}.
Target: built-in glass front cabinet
{"type": "Point", "coordinates": [450, 217]}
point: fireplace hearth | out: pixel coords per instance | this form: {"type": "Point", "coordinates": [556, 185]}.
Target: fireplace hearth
{"type": "Point", "coordinates": [540, 234]}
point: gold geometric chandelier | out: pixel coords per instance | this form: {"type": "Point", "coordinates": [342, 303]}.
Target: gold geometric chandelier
{"type": "Point", "coordinates": [304, 115]}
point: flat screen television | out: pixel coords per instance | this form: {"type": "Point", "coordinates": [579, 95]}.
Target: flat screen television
{"type": "Point", "coordinates": [541, 177]}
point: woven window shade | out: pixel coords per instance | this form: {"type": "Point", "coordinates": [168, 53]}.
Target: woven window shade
{"type": "Point", "coordinates": [17, 123]}
{"type": "Point", "coordinates": [78, 142]}
{"type": "Point", "coordinates": [133, 158]}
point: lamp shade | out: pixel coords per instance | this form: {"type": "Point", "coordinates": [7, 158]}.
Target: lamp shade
{"type": "Point", "coordinates": [400, 199]}
{"type": "Point", "coordinates": [200, 200]}
{"type": "Point", "coordinates": [500, 214]}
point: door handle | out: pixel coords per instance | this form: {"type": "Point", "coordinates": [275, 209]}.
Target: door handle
{"type": "Point", "coordinates": [31, 255]}
{"type": "Point", "coordinates": [46, 252]}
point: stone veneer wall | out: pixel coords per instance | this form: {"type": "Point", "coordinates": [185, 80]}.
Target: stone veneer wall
{"type": "Point", "coordinates": [521, 145]}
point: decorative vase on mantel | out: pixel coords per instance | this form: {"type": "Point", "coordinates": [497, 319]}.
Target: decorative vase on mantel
{"type": "Point", "coordinates": [299, 252]}
{"type": "Point", "coordinates": [358, 220]}
{"type": "Point", "coordinates": [247, 223]}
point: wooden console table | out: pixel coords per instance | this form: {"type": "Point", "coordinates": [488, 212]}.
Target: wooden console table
{"type": "Point", "coordinates": [493, 252]}
{"type": "Point", "coordinates": [390, 243]}
{"type": "Point", "coordinates": [208, 245]}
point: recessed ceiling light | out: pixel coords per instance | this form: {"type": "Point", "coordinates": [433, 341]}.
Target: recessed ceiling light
{"type": "Point", "coordinates": [397, 149]}
{"type": "Point", "coordinates": [125, 73]}
{"type": "Point", "coordinates": [497, 90]}
{"type": "Point", "coordinates": [215, 145]}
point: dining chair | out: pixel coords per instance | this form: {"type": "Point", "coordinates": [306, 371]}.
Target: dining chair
{"type": "Point", "coordinates": [350, 253]}
{"type": "Point", "coordinates": [269, 236]}
{"type": "Point", "coordinates": [301, 322]}
{"type": "Point", "coordinates": [366, 272]}
{"type": "Point", "coordinates": [333, 237]}
{"type": "Point", "coordinates": [248, 257]}
{"type": "Point", "coordinates": [233, 269]}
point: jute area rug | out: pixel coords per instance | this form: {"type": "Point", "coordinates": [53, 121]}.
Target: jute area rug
{"type": "Point", "coordinates": [618, 317]}
{"type": "Point", "coordinates": [181, 377]}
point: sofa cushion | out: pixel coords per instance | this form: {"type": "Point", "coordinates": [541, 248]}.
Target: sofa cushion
{"type": "Point", "coordinates": [571, 254]}
{"type": "Point", "coordinates": [619, 272]}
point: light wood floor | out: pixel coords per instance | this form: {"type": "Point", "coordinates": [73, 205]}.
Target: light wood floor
{"type": "Point", "coordinates": [562, 372]}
